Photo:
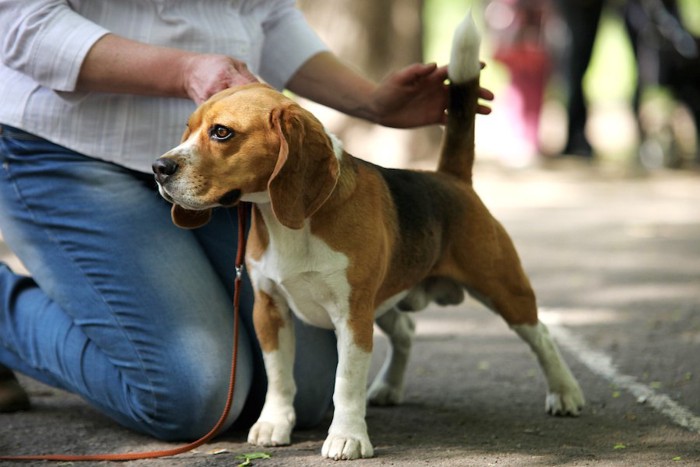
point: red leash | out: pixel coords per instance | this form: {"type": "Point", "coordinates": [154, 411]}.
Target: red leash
{"type": "Point", "coordinates": [240, 257]}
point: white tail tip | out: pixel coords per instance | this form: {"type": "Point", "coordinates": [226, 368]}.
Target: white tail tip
{"type": "Point", "coordinates": [464, 59]}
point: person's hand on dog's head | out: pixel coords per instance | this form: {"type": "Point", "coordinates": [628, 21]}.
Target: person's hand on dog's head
{"type": "Point", "coordinates": [207, 74]}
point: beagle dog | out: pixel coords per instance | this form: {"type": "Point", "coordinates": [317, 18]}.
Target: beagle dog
{"type": "Point", "coordinates": [341, 243]}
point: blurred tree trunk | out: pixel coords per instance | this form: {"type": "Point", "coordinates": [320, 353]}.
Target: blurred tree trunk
{"type": "Point", "coordinates": [375, 37]}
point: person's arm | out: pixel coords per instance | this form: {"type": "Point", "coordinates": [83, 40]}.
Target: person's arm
{"type": "Point", "coordinates": [413, 96]}
{"type": "Point", "coordinates": [294, 57]}
{"type": "Point", "coordinates": [63, 51]}
{"type": "Point", "coordinates": [117, 64]}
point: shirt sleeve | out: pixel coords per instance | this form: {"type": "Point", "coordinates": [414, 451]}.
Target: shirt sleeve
{"type": "Point", "coordinates": [289, 42]}
{"type": "Point", "coordinates": [46, 40]}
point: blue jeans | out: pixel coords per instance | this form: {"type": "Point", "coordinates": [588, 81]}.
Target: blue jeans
{"type": "Point", "coordinates": [125, 309]}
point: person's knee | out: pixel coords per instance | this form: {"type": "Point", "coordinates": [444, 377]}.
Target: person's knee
{"type": "Point", "coordinates": [189, 404]}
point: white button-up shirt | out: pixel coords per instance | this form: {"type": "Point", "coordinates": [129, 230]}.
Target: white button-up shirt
{"type": "Point", "coordinates": [43, 44]}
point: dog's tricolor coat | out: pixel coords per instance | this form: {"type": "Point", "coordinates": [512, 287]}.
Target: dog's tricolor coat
{"type": "Point", "coordinates": [342, 242]}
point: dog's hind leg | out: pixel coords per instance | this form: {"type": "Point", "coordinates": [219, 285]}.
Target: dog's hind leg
{"type": "Point", "coordinates": [388, 386]}
{"type": "Point", "coordinates": [517, 306]}
{"type": "Point", "coordinates": [501, 284]}
{"type": "Point", "coordinates": [564, 396]}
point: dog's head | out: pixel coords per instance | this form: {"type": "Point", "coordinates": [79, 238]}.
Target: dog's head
{"type": "Point", "coordinates": [248, 143]}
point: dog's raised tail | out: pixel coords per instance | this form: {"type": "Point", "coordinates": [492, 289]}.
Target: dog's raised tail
{"type": "Point", "coordinates": [457, 154]}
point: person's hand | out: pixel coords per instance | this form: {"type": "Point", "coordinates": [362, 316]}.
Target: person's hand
{"type": "Point", "coordinates": [205, 75]}
{"type": "Point", "coordinates": [415, 96]}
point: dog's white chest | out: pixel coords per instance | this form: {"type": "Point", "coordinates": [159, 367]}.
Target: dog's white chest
{"type": "Point", "coordinates": [304, 272]}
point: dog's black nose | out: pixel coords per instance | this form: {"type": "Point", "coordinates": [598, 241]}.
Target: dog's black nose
{"type": "Point", "coordinates": [163, 168]}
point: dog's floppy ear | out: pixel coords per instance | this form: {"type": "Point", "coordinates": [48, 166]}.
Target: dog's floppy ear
{"type": "Point", "coordinates": [306, 171]}
{"type": "Point", "coordinates": [189, 219]}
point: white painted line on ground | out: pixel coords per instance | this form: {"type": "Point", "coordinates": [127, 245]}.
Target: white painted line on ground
{"type": "Point", "coordinates": [601, 364]}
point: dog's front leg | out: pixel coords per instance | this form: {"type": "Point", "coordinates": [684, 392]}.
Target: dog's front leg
{"type": "Point", "coordinates": [347, 436]}
{"type": "Point", "coordinates": [275, 331]}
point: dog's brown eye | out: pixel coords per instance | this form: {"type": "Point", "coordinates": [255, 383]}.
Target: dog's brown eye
{"type": "Point", "coordinates": [220, 133]}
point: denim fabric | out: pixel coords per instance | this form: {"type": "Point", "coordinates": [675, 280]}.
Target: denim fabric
{"type": "Point", "coordinates": [124, 308]}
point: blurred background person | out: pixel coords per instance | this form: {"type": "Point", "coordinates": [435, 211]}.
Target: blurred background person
{"type": "Point", "coordinates": [517, 32]}
{"type": "Point", "coordinates": [666, 54]}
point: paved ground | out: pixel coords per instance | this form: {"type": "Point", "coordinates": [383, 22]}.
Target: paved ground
{"type": "Point", "coordinates": [615, 259]}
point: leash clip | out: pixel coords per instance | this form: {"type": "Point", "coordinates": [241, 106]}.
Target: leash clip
{"type": "Point", "coordinates": [239, 271]}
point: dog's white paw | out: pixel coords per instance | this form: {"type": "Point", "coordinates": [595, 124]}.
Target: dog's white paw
{"type": "Point", "coordinates": [343, 447]}
{"type": "Point", "coordinates": [383, 394]}
{"type": "Point", "coordinates": [567, 402]}
{"type": "Point", "coordinates": [271, 433]}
